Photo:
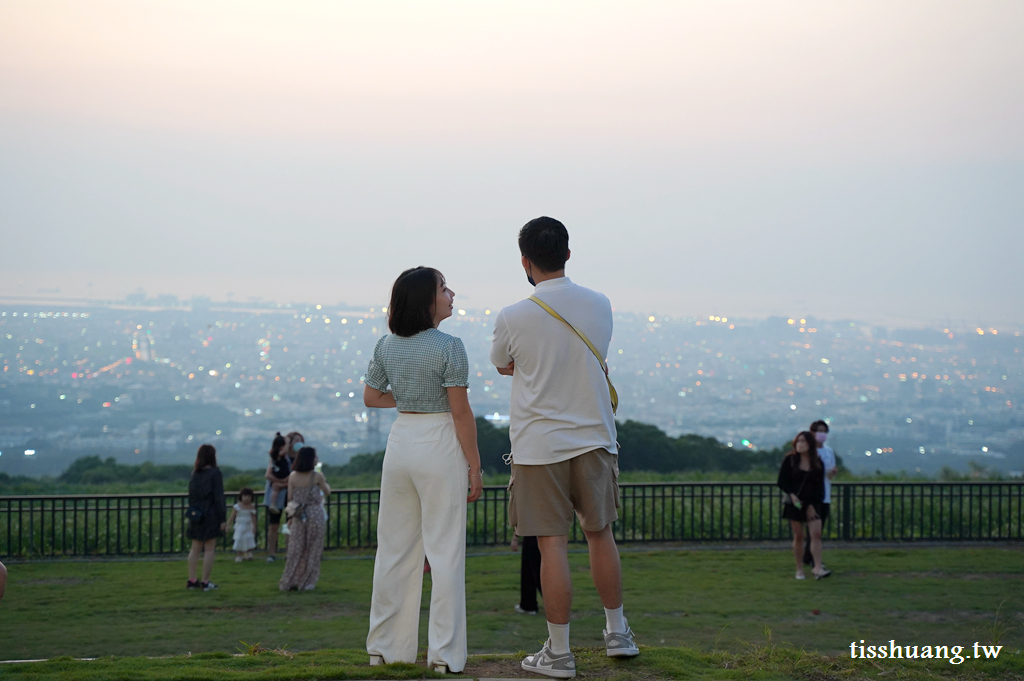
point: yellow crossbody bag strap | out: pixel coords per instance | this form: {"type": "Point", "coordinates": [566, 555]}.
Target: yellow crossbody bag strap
{"type": "Point", "coordinates": [611, 388]}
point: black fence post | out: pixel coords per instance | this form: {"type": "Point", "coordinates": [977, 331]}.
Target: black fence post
{"type": "Point", "coordinates": [845, 492]}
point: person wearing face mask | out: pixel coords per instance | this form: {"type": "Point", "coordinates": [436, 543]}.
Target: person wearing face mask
{"type": "Point", "coordinates": [828, 460]}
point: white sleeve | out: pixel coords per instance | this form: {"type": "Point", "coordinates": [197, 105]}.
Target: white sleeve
{"type": "Point", "coordinates": [500, 343]}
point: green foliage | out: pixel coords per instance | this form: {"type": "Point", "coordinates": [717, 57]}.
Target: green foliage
{"type": "Point", "coordinates": [251, 480]}
{"type": "Point", "coordinates": [360, 464]}
{"type": "Point", "coordinates": [494, 444]}
{"type": "Point", "coordinates": [643, 447]}
{"type": "Point", "coordinates": [92, 470]}
{"type": "Point", "coordinates": [648, 454]}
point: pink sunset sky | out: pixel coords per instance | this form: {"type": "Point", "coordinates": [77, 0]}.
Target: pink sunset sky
{"type": "Point", "coordinates": [859, 159]}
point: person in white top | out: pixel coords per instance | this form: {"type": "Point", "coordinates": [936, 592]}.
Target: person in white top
{"type": "Point", "coordinates": [564, 454]}
{"type": "Point", "coordinates": [828, 459]}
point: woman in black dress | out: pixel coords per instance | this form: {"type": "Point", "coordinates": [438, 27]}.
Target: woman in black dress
{"type": "Point", "coordinates": [207, 515]}
{"type": "Point", "coordinates": [802, 479]}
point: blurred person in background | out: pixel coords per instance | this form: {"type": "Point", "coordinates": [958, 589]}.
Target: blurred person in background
{"type": "Point", "coordinates": [529, 575]}
{"type": "Point", "coordinates": [828, 460]}
{"type": "Point", "coordinates": [243, 516]}
{"type": "Point", "coordinates": [3, 580]}
{"type": "Point", "coordinates": [293, 443]}
{"type": "Point", "coordinates": [275, 494]}
{"type": "Point", "coordinates": [207, 515]}
{"type": "Point", "coordinates": [802, 480]}
{"type": "Point", "coordinates": [307, 523]}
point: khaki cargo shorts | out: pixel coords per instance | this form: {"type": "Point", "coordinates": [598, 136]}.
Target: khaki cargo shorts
{"type": "Point", "coordinates": [542, 498]}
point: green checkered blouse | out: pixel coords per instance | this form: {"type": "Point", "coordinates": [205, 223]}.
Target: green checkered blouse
{"type": "Point", "coordinates": [418, 369]}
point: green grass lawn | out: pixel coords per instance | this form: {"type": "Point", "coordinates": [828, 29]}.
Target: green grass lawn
{"type": "Point", "coordinates": [764, 663]}
{"type": "Point", "coordinates": [714, 606]}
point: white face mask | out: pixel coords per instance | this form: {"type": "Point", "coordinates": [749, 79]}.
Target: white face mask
{"type": "Point", "coordinates": [821, 436]}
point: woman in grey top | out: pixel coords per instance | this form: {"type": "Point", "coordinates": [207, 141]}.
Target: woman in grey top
{"type": "Point", "coordinates": [430, 461]}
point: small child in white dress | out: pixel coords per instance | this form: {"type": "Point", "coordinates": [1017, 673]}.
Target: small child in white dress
{"type": "Point", "coordinates": [243, 515]}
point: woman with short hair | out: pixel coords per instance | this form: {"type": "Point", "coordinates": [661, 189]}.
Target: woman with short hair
{"type": "Point", "coordinates": [207, 515]}
{"type": "Point", "coordinates": [430, 461]}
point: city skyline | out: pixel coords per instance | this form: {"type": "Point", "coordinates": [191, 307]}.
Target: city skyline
{"type": "Point", "coordinates": [144, 383]}
{"type": "Point", "coordinates": [139, 300]}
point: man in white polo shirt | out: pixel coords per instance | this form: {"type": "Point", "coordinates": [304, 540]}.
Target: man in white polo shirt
{"type": "Point", "coordinates": [564, 454]}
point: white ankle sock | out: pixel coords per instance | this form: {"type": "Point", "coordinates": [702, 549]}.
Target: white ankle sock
{"type": "Point", "coordinates": [614, 621]}
{"type": "Point", "coordinates": [558, 634]}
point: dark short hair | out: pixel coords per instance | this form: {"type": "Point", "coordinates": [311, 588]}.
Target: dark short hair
{"type": "Point", "coordinates": [411, 309]}
{"type": "Point", "coordinates": [819, 425]}
{"type": "Point", "coordinates": [246, 490]}
{"type": "Point", "coordinates": [206, 456]}
{"type": "Point", "coordinates": [812, 447]}
{"type": "Point", "coordinates": [306, 460]}
{"type": "Point", "coordinates": [277, 447]}
{"type": "Point", "coordinates": [545, 242]}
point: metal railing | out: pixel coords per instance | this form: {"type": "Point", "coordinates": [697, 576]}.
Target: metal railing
{"type": "Point", "coordinates": [139, 524]}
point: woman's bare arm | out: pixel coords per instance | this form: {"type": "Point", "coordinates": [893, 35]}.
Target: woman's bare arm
{"type": "Point", "coordinates": [375, 399]}
{"type": "Point", "coordinates": [465, 429]}
{"type": "Point", "coordinates": [321, 482]}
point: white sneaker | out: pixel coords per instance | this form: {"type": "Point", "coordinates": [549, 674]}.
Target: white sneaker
{"type": "Point", "coordinates": [620, 645]}
{"type": "Point", "coordinates": [376, 660]}
{"type": "Point", "coordinates": [547, 663]}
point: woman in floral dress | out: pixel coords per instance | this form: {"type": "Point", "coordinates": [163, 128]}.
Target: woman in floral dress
{"type": "Point", "coordinates": [307, 523]}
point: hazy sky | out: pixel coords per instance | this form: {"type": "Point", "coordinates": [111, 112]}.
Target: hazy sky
{"type": "Point", "coordinates": [861, 159]}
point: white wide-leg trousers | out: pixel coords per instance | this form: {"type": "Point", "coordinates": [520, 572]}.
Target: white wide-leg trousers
{"type": "Point", "coordinates": [422, 509]}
